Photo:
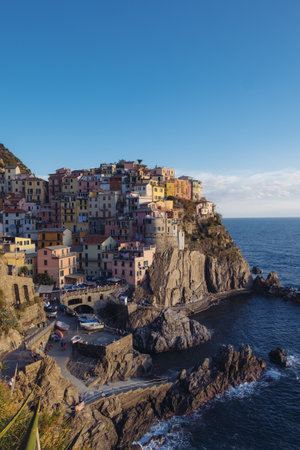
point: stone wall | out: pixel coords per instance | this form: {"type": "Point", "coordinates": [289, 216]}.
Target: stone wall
{"type": "Point", "coordinates": [95, 298]}
{"type": "Point", "coordinates": [124, 344]}
{"type": "Point", "coordinates": [16, 290]}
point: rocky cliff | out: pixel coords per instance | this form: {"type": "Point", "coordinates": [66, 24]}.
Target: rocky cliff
{"type": "Point", "coordinates": [210, 263]}
{"type": "Point", "coordinates": [185, 276]}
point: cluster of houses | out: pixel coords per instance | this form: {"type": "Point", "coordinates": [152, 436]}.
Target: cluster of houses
{"type": "Point", "coordinates": [106, 222]}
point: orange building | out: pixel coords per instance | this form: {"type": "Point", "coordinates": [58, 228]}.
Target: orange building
{"type": "Point", "coordinates": [182, 189]}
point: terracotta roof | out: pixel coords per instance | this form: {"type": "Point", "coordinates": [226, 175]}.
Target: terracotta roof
{"type": "Point", "coordinates": [95, 239]}
{"type": "Point", "coordinates": [7, 211]}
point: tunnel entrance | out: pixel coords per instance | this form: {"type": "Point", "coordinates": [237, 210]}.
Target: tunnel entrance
{"type": "Point", "coordinates": [84, 309]}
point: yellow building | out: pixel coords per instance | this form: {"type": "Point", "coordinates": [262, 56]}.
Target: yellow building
{"type": "Point", "coordinates": [50, 237]}
{"type": "Point", "coordinates": [158, 192]}
{"type": "Point", "coordinates": [36, 190]}
{"type": "Point", "coordinates": [14, 260]}
{"type": "Point", "coordinates": [17, 244]}
{"type": "Point", "coordinates": [78, 237]}
{"type": "Point", "coordinates": [31, 263]}
{"type": "Point", "coordinates": [165, 204]}
{"type": "Point", "coordinates": [70, 184]}
{"type": "Point", "coordinates": [82, 214]}
{"type": "Point", "coordinates": [170, 188]}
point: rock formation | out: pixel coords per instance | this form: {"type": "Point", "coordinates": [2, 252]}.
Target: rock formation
{"type": "Point", "coordinates": [256, 271]}
{"type": "Point", "coordinates": [45, 376]}
{"type": "Point", "coordinates": [184, 276]}
{"type": "Point", "coordinates": [109, 369]}
{"type": "Point", "coordinates": [126, 417]}
{"type": "Point", "coordinates": [278, 356]}
{"type": "Point", "coordinates": [156, 332]}
{"type": "Point", "coordinates": [210, 263]}
{"type": "Point", "coordinates": [265, 286]}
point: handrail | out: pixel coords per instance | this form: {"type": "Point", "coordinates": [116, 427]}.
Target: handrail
{"type": "Point", "coordinates": [12, 421]}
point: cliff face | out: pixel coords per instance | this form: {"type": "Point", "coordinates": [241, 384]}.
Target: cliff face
{"type": "Point", "coordinates": [210, 263]}
{"type": "Point", "coordinates": [185, 276]}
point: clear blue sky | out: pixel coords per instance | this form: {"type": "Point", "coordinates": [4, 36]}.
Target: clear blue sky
{"type": "Point", "coordinates": [211, 88]}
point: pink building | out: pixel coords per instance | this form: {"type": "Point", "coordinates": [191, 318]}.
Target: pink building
{"type": "Point", "coordinates": [14, 202]}
{"type": "Point", "coordinates": [132, 262]}
{"type": "Point", "coordinates": [122, 229]}
{"type": "Point", "coordinates": [58, 261]}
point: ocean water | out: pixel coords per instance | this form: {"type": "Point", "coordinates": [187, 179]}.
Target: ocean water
{"type": "Point", "coordinates": [260, 415]}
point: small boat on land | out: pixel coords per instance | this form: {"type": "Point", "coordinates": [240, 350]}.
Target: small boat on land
{"type": "Point", "coordinates": [62, 325]}
{"type": "Point", "coordinates": [84, 320]}
{"type": "Point", "coordinates": [92, 326]}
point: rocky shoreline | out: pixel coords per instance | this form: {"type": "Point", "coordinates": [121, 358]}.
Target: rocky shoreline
{"type": "Point", "coordinates": [116, 421]}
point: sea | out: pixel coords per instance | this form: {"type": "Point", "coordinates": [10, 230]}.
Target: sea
{"type": "Point", "coordinates": [263, 414]}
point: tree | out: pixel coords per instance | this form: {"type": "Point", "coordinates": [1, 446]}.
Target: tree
{"type": "Point", "coordinates": [24, 270]}
{"type": "Point", "coordinates": [43, 278]}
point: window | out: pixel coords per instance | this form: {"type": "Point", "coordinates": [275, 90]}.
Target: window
{"type": "Point", "coordinates": [26, 294]}
{"type": "Point", "coordinates": [45, 252]}
{"type": "Point", "coordinates": [17, 294]}
{"type": "Point", "coordinates": [45, 262]}
{"type": "Point", "coordinates": [61, 273]}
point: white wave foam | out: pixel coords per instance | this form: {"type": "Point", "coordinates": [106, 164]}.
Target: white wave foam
{"type": "Point", "coordinates": [293, 361]}
{"type": "Point", "coordinates": [272, 375]}
{"type": "Point", "coordinates": [242, 391]}
{"type": "Point", "coordinates": [167, 435]}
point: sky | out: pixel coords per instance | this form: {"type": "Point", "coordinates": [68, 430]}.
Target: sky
{"type": "Point", "coordinates": [210, 88]}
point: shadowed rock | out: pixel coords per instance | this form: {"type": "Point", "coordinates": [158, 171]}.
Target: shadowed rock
{"type": "Point", "coordinates": [278, 356]}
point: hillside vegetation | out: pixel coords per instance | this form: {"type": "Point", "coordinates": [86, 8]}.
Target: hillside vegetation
{"type": "Point", "coordinates": [7, 158]}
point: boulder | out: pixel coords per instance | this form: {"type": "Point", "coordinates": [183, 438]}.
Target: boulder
{"type": "Point", "coordinates": [170, 330]}
{"type": "Point", "coordinates": [277, 356]}
{"type": "Point", "coordinates": [256, 271]}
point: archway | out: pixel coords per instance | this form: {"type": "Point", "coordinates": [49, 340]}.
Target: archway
{"type": "Point", "coordinates": [84, 309]}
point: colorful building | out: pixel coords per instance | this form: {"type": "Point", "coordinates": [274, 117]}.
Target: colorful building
{"type": "Point", "coordinates": [36, 190]}
{"type": "Point", "coordinates": [132, 262]}
{"type": "Point", "coordinates": [58, 262]}
{"type": "Point", "coordinates": [49, 237]}
{"type": "Point", "coordinates": [93, 248]}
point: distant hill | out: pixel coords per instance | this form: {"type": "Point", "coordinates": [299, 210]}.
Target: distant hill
{"type": "Point", "coordinates": [7, 158]}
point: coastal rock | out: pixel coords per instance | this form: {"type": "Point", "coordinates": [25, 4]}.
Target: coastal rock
{"type": "Point", "coordinates": [52, 388]}
{"type": "Point", "coordinates": [256, 271]}
{"type": "Point", "coordinates": [132, 414]}
{"type": "Point", "coordinates": [110, 368]}
{"type": "Point", "coordinates": [170, 330]}
{"type": "Point", "coordinates": [178, 276]}
{"type": "Point", "coordinates": [92, 430]}
{"type": "Point", "coordinates": [278, 356]}
{"type": "Point", "coordinates": [133, 364]}
{"type": "Point", "coordinates": [270, 285]}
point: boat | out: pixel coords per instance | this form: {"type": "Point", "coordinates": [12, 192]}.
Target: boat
{"type": "Point", "coordinates": [84, 320]}
{"type": "Point", "coordinates": [62, 325]}
{"type": "Point", "coordinates": [92, 326]}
